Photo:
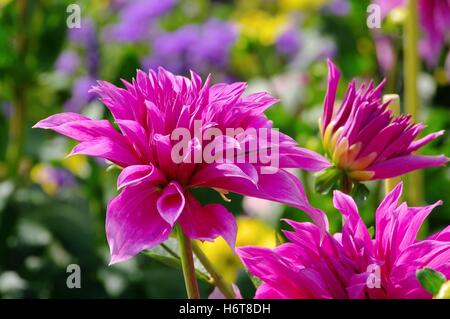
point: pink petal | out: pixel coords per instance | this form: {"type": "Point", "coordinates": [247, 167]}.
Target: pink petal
{"type": "Point", "coordinates": [405, 164]}
{"type": "Point", "coordinates": [423, 141]}
{"type": "Point", "coordinates": [137, 137]}
{"type": "Point", "coordinates": [207, 222]}
{"type": "Point", "coordinates": [443, 235]}
{"type": "Point", "coordinates": [77, 126]}
{"type": "Point", "coordinates": [171, 203]}
{"type": "Point", "coordinates": [280, 186]}
{"type": "Point", "coordinates": [134, 174]}
{"type": "Point", "coordinates": [266, 291]}
{"type": "Point", "coordinates": [330, 95]}
{"type": "Point", "coordinates": [354, 230]}
{"type": "Point", "coordinates": [133, 223]}
{"type": "Point", "coordinates": [106, 148]}
{"type": "Point", "coordinates": [384, 218]}
{"type": "Point", "coordinates": [297, 157]}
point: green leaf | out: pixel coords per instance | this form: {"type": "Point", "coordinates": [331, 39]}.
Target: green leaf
{"type": "Point", "coordinates": [327, 180]}
{"type": "Point", "coordinates": [168, 254]}
{"type": "Point", "coordinates": [430, 279]}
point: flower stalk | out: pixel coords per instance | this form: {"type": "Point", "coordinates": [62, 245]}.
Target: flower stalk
{"type": "Point", "coordinates": [18, 118]}
{"type": "Point", "coordinates": [218, 280]}
{"type": "Point", "coordinates": [412, 104]}
{"type": "Point", "coordinates": [187, 264]}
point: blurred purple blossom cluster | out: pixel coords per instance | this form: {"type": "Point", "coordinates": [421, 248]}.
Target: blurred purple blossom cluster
{"type": "Point", "coordinates": [198, 47]}
{"type": "Point", "coordinates": [136, 19]}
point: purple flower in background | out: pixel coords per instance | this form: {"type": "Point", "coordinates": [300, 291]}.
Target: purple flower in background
{"type": "Point", "coordinates": [385, 52]}
{"type": "Point", "coordinates": [80, 94]}
{"type": "Point", "coordinates": [201, 47]}
{"type": "Point", "coordinates": [364, 140]}
{"type": "Point", "coordinates": [435, 22]}
{"type": "Point", "coordinates": [213, 44]}
{"type": "Point", "coordinates": [338, 7]}
{"type": "Point", "coordinates": [84, 34]}
{"type": "Point", "coordinates": [135, 19]}
{"type": "Point", "coordinates": [52, 179]}
{"type": "Point", "coordinates": [67, 62]}
{"type": "Point", "coordinates": [171, 50]}
{"type": "Point", "coordinates": [86, 37]}
{"type": "Point", "coordinates": [6, 109]}
{"type": "Point", "coordinates": [351, 264]}
{"type": "Point", "coordinates": [288, 42]}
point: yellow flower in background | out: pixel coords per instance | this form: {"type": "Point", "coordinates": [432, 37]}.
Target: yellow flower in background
{"type": "Point", "coordinates": [290, 5]}
{"type": "Point", "coordinates": [261, 26]}
{"type": "Point", "coordinates": [40, 174]}
{"type": "Point", "coordinates": [77, 165]}
{"type": "Point", "coordinates": [251, 231]}
{"type": "Point", "coordinates": [51, 179]}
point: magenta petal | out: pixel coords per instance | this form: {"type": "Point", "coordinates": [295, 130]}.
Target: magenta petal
{"type": "Point", "coordinates": [106, 148]}
{"type": "Point", "coordinates": [443, 235]}
{"type": "Point", "coordinates": [208, 222]}
{"type": "Point", "coordinates": [354, 230]}
{"type": "Point", "coordinates": [266, 291]}
{"type": "Point", "coordinates": [137, 137]}
{"type": "Point", "coordinates": [423, 141]}
{"type": "Point", "coordinates": [137, 173]}
{"type": "Point", "coordinates": [280, 186]}
{"type": "Point", "coordinates": [268, 266]}
{"type": "Point", "coordinates": [330, 96]}
{"type": "Point", "coordinates": [405, 164]}
{"type": "Point", "coordinates": [234, 173]}
{"type": "Point", "coordinates": [171, 203]}
{"type": "Point", "coordinates": [78, 127]}
{"type": "Point", "coordinates": [297, 157]}
{"type": "Point", "coordinates": [133, 223]}
{"type": "Point", "coordinates": [60, 119]}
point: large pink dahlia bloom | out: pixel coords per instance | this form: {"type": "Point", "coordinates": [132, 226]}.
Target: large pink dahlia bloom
{"type": "Point", "coordinates": [156, 189]}
{"type": "Point", "coordinates": [351, 264]}
{"type": "Point", "coordinates": [364, 139]}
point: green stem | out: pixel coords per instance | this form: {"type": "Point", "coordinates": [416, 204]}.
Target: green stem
{"type": "Point", "coordinates": [412, 102]}
{"type": "Point", "coordinates": [18, 117]}
{"type": "Point", "coordinates": [187, 264]}
{"type": "Point", "coordinates": [219, 282]}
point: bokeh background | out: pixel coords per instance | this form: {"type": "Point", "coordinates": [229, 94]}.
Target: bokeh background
{"type": "Point", "coordinates": [52, 209]}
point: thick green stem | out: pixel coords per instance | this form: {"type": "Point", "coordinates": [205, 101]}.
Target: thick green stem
{"type": "Point", "coordinates": [219, 282]}
{"type": "Point", "coordinates": [18, 117]}
{"type": "Point", "coordinates": [187, 263]}
{"type": "Point", "coordinates": [412, 102]}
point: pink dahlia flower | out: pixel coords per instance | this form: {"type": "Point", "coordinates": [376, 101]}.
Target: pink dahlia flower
{"type": "Point", "coordinates": [155, 188]}
{"type": "Point", "coordinates": [363, 139]}
{"type": "Point", "coordinates": [435, 22]}
{"type": "Point", "coordinates": [351, 264]}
